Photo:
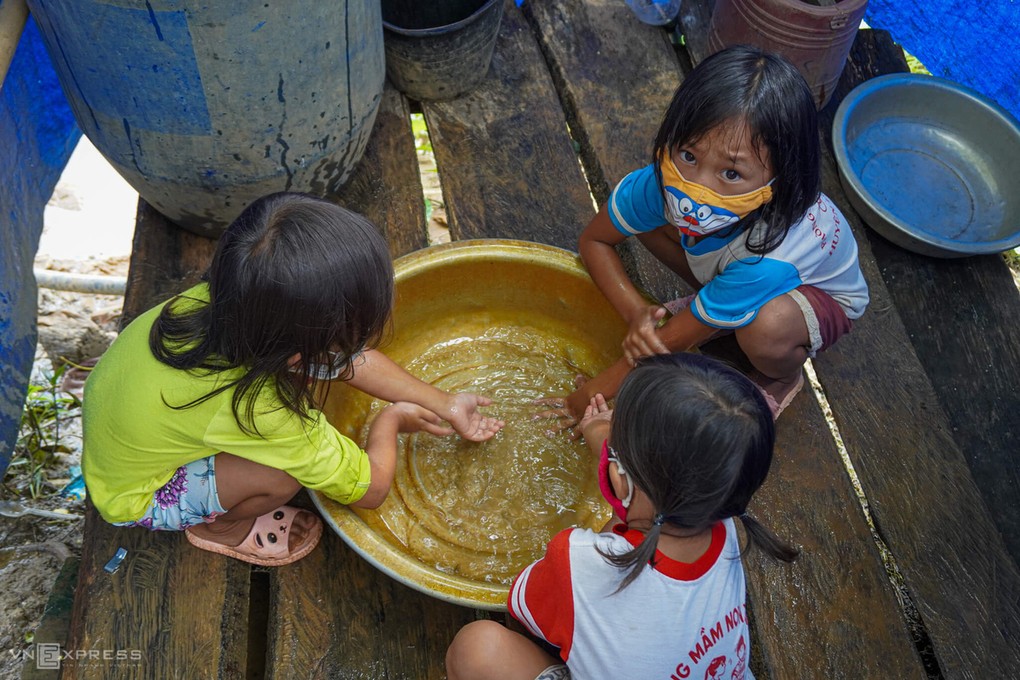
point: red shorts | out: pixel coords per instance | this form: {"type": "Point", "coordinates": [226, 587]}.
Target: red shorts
{"type": "Point", "coordinates": [826, 320]}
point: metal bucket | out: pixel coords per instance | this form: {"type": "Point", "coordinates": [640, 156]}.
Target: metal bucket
{"type": "Point", "coordinates": [203, 107]}
{"type": "Point", "coordinates": [815, 39]}
{"type": "Point", "coordinates": [439, 50]}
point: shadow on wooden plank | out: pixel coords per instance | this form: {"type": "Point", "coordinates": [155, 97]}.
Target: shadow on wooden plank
{"type": "Point", "coordinates": [961, 317]}
{"type": "Point", "coordinates": [385, 186]}
{"type": "Point", "coordinates": [165, 260]}
{"type": "Point", "coordinates": [615, 77]}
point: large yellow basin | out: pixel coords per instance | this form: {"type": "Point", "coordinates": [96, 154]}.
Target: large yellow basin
{"type": "Point", "coordinates": [513, 320]}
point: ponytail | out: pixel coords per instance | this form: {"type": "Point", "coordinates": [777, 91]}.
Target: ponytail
{"type": "Point", "coordinates": [761, 537]}
{"type": "Point", "coordinates": [637, 559]}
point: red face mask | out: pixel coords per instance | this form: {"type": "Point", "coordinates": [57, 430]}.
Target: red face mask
{"type": "Point", "coordinates": [619, 506]}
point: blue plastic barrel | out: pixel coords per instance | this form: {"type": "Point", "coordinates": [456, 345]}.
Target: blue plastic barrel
{"type": "Point", "coordinates": [205, 106]}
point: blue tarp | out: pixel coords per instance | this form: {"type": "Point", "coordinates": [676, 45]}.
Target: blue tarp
{"type": "Point", "coordinates": [37, 135]}
{"type": "Point", "coordinates": [976, 44]}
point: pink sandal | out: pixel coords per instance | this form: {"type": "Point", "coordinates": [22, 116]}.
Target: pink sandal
{"type": "Point", "coordinates": [268, 542]}
{"type": "Point", "coordinates": [777, 407]}
{"type": "Point", "coordinates": [678, 305]}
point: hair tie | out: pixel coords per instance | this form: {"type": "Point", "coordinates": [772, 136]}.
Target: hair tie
{"type": "Point", "coordinates": [744, 516]}
{"type": "Point", "coordinates": [659, 520]}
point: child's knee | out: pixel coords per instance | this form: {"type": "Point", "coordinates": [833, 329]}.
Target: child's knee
{"type": "Point", "coordinates": [778, 330]}
{"type": "Point", "coordinates": [475, 647]}
{"type": "Point", "coordinates": [238, 478]}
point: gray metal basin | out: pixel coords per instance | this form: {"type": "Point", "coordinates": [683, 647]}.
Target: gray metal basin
{"type": "Point", "coordinates": [931, 165]}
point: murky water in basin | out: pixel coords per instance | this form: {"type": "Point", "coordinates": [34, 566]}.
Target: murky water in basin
{"type": "Point", "coordinates": [485, 510]}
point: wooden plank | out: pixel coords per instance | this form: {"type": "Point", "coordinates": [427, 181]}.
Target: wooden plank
{"type": "Point", "coordinates": [170, 611]}
{"type": "Point", "coordinates": [333, 615]}
{"type": "Point", "coordinates": [832, 613]}
{"type": "Point", "coordinates": [926, 507]}
{"type": "Point", "coordinates": [339, 617]}
{"type": "Point", "coordinates": [615, 76]}
{"type": "Point", "coordinates": [960, 315]}
{"type": "Point", "coordinates": [386, 184]}
{"type": "Point", "coordinates": [506, 163]}
{"type": "Point", "coordinates": [694, 18]}
{"type": "Point", "coordinates": [840, 578]}
{"type": "Point", "coordinates": [165, 260]}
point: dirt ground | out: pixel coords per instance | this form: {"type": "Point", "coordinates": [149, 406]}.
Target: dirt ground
{"type": "Point", "coordinates": [35, 548]}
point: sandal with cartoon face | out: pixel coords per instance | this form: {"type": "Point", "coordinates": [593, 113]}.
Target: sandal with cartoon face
{"type": "Point", "coordinates": [777, 407]}
{"type": "Point", "coordinates": [268, 542]}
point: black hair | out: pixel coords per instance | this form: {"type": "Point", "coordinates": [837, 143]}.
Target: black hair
{"type": "Point", "coordinates": [696, 436]}
{"type": "Point", "coordinates": [293, 274]}
{"type": "Point", "coordinates": [769, 93]}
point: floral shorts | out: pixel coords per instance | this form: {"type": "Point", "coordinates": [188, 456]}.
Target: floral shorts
{"type": "Point", "coordinates": [189, 498]}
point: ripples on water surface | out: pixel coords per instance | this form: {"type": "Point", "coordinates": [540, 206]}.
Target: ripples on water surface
{"type": "Point", "coordinates": [485, 510]}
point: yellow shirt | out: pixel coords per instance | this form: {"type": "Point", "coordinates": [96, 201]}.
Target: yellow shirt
{"type": "Point", "coordinates": [134, 440]}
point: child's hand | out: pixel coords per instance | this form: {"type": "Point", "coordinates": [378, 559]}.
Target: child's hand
{"type": "Point", "coordinates": [642, 339]}
{"type": "Point", "coordinates": [463, 414]}
{"type": "Point", "coordinates": [563, 410]}
{"type": "Point", "coordinates": [597, 416]}
{"type": "Point", "coordinates": [557, 410]}
{"type": "Point", "coordinates": [415, 418]}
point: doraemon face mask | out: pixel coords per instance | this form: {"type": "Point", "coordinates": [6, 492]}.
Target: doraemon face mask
{"type": "Point", "coordinates": [696, 210]}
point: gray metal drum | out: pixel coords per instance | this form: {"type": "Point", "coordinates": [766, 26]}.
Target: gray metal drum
{"type": "Point", "coordinates": [204, 106]}
{"type": "Point", "coordinates": [817, 39]}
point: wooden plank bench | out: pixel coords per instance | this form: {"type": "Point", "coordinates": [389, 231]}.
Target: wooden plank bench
{"type": "Point", "coordinates": [570, 104]}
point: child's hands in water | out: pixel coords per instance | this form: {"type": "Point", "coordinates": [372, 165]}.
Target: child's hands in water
{"type": "Point", "coordinates": [642, 339]}
{"type": "Point", "coordinates": [470, 423]}
{"type": "Point", "coordinates": [597, 416]}
{"type": "Point", "coordinates": [562, 410]}
{"type": "Point", "coordinates": [414, 418]}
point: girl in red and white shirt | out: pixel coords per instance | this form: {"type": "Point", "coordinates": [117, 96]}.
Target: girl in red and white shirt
{"type": "Point", "coordinates": [661, 593]}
